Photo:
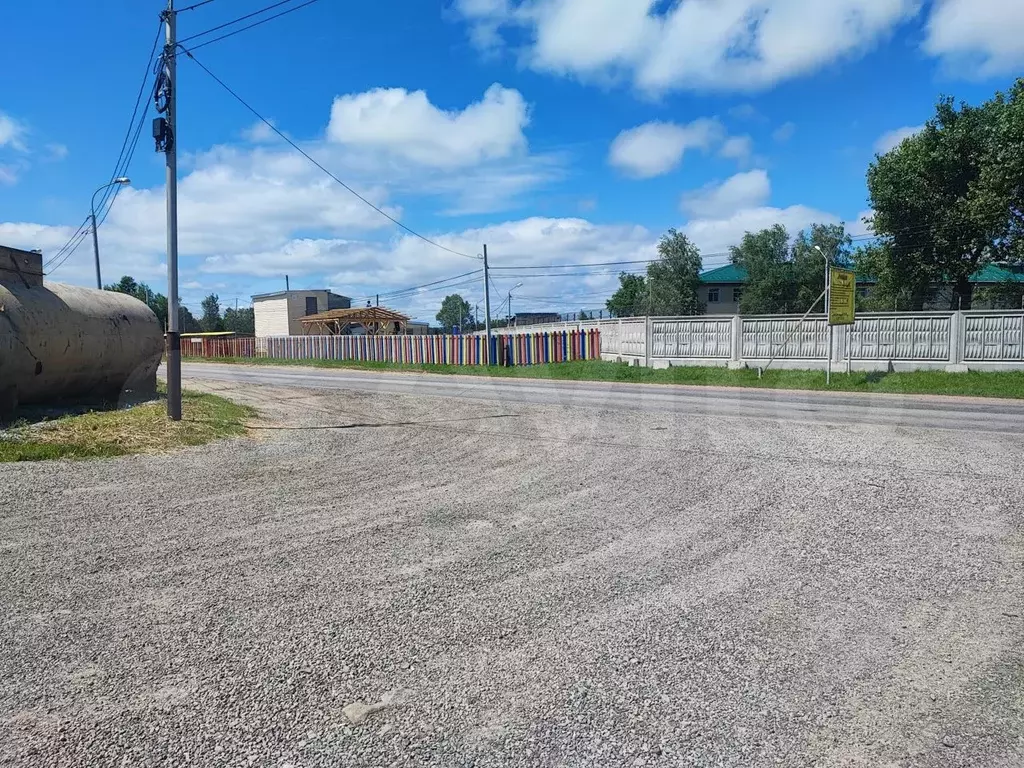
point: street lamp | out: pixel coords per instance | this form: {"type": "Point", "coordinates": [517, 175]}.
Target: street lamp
{"type": "Point", "coordinates": [828, 319]}
{"type": "Point", "coordinates": [95, 237]}
{"type": "Point", "coordinates": [517, 285]}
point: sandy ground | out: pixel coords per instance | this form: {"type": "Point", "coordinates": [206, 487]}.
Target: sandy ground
{"type": "Point", "coordinates": [514, 584]}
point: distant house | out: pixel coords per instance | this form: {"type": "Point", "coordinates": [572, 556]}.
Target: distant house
{"type": "Point", "coordinates": [417, 328]}
{"type": "Point", "coordinates": [533, 318]}
{"type": "Point", "coordinates": [722, 288]}
{"type": "Point", "coordinates": [280, 314]}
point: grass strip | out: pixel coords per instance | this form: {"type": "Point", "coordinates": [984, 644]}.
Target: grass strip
{"type": "Point", "coordinates": [142, 428]}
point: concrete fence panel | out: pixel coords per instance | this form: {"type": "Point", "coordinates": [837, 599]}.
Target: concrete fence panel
{"type": "Point", "coordinates": [994, 337]}
{"type": "Point", "coordinates": [900, 337]}
{"type": "Point", "coordinates": [704, 337]}
{"type": "Point", "coordinates": [784, 338]}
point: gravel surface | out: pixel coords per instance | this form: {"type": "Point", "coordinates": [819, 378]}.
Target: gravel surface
{"type": "Point", "coordinates": [460, 583]}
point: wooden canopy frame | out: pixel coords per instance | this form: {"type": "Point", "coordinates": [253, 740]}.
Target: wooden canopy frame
{"type": "Point", "coordinates": [377, 321]}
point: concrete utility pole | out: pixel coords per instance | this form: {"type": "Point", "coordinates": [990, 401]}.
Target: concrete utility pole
{"type": "Point", "coordinates": [165, 131]}
{"type": "Point", "coordinates": [95, 236]}
{"type": "Point", "coordinates": [487, 306]}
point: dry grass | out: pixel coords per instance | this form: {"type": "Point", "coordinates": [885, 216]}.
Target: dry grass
{"type": "Point", "coordinates": [142, 428]}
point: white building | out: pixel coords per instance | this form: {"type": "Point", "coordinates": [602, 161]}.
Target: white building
{"type": "Point", "coordinates": [279, 314]}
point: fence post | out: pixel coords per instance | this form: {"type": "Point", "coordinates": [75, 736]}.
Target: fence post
{"type": "Point", "coordinates": [736, 342]}
{"type": "Point", "coordinates": [648, 338]}
{"type": "Point", "coordinates": [957, 342]}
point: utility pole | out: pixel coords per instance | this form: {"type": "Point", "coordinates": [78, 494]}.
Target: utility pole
{"type": "Point", "coordinates": [487, 306]}
{"type": "Point", "coordinates": [378, 299]}
{"type": "Point", "coordinates": [165, 133]}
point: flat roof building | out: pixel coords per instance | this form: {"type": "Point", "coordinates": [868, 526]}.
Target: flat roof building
{"type": "Point", "coordinates": [281, 313]}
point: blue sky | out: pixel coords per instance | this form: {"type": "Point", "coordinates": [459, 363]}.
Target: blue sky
{"type": "Point", "coordinates": [557, 131]}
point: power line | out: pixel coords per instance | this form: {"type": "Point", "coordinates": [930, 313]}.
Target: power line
{"type": "Point", "coordinates": [193, 7]}
{"type": "Point", "coordinates": [306, 155]}
{"type": "Point", "coordinates": [65, 251]}
{"type": "Point", "coordinates": [248, 26]}
{"type": "Point", "coordinates": [398, 292]}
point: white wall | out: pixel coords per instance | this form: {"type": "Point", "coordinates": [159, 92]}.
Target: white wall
{"type": "Point", "coordinates": [271, 316]}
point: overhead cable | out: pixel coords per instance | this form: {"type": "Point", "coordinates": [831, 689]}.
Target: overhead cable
{"type": "Point", "coordinates": [306, 155]}
{"type": "Point", "coordinates": [120, 166]}
{"type": "Point", "coordinates": [247, 26]}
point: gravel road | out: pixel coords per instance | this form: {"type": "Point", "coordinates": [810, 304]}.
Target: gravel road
{"type": "Point", "coordinates": [407, 580]}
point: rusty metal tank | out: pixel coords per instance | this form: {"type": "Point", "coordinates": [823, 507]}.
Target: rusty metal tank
{"type": "Point", "coordinates": [63, 343]}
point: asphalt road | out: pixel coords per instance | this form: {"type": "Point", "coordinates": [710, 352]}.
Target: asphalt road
{"type": "Point", "coordinates": [821, 407]}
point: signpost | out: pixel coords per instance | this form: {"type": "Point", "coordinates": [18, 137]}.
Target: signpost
{"type": "Point", "coordinates": [842, 296]}
{"type": "Point", "coordinates": [842, 293]}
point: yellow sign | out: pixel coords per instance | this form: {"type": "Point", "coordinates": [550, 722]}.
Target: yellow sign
{"type": "Point", "coordinates": [841, 297]}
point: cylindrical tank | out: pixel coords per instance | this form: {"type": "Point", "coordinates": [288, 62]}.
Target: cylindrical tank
{"type": "Point", "coordinates": [66, 343]}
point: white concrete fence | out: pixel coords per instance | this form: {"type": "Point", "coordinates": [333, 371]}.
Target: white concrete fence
{"type": "Point", "coordinates": [956, 341]}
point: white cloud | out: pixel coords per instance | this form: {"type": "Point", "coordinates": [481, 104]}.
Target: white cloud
{"type": "Point", "coordinates": [784, 132]}
{"type": "Point", "coordinates": [252, 212]}
{"type": "Point", "coordinates": [260, 133]}
{"type": "Point", "coordinates": [714, 236]}
{"type": "Point", "coordinates": [693, 45]}
{"type": "Point", "coordinates": [8, 175]}
{"type": "Point", "coordinates": [738, 148]}
{"type": "Point", "coordinates": [892, 139]}
{"type": "Point", "coordinates": [56, 152]}
{"type": "Point", "coordinates": [745, 112]}
{"type": "Point", "coordinates": [979, 38]}
{"type": "Point", "coordinates": [655, 148]}
{"type": "Point", "coordinates": [406, 125]}
{"type": "Point", "coordinates": [12, 133]}
{"type": "Point", "coordinates": [744, 190]}
{"type": "Point", "coordinates": [860, 226]}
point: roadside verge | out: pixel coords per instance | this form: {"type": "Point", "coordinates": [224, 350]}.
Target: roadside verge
{"type": "Point", "coordinates": [142, 428]}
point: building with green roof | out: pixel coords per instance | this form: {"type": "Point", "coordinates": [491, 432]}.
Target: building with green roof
{"type": "Point", "coordinates": [722, 287]}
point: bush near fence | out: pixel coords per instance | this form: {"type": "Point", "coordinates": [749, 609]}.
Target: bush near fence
{"type": "Point", "coordinates": [506, 349]}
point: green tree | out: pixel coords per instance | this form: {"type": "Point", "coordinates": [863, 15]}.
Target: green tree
{"type": "Point", "coordinates": [584, 316]}
{"type": "Point", "coordinates": [187, 322]}
{"type": "Point", "coordinates": [1006, 294]}
{"type": "Point", "coordinates": [949, 200]}
{"type": "Point", "coordinates": [156, 301]}
{"type": "Point", "coordinates": [455, 312]}
{"type": "Point", "coordinates": [784, 277]}
{"type": "Point", "coordinates": [674, 279]}
{"type": "Point", "coordinates": [211, 320]}
{"type": "Point", "coordinates": [764, 256]}
{"type": "Point", "coordinates": [241, 321]}
{"type": "Point", "coordinates": [630, 299]}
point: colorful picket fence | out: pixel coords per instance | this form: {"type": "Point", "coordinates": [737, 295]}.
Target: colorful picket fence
{"type": "Point", "coordinates": [523, 349]}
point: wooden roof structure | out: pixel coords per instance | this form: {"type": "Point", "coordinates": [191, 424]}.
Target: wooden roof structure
{"type": "Point", "coordinates": [378, 321]}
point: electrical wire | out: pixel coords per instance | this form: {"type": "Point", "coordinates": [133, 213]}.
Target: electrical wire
{"type": "Point", "coordinates": [197, 5]}
{"type": "Point", "coordinates": [110, 193]}
{"type": "Point", "coordinates": [235, 21]}
{"type": "Point", "coordinates": [399, 291]}
{"type": "Point", "coordinates": [306, 155]}
{"type": "Point", "coordinates": [248, 26]}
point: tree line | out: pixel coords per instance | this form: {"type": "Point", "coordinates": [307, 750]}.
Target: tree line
{"type": "Point", "coordinates": [240, 321]}
{"type": "Point", "coordinates": [947, 202]}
